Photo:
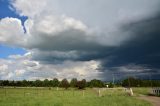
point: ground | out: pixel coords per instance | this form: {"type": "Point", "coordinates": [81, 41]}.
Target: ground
{"type": "Point", "coordinates": [154, 100]}
{"type": "Point", "coordinates": [70, 97]}
{"type": "Point", "coordinates": [142, 93]}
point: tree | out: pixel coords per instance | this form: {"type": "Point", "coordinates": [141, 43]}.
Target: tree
{"type": "Point", "coordinates": [55, 82]}
{"type": "Point", "coordinates": [46, 83]}
{"type": "Point", "coordinates": [38, 83]}
{"type": "Point", "coordinates": [131, 82]}
{"type": "Point", "coordinates": [73, 82]}
{"type": "Point", "coordinates": [19, 83]}
{"type": "Point", "coordinates": [24, 83]}
{"type": "Point", "coordinates": [1, 83]}
{"type": "Point", "coordinates": [110, 85]}
{"type": "Point", "coordinates": [84, 82]}
{"type": "Point", "coordinates": [64, 83]}
{"type": "Point", "coordinates": [96, 83]}
{"type": "Point", "coordinates": [81, 84]}
{"type": "Point", "coordinates": [5, 83]}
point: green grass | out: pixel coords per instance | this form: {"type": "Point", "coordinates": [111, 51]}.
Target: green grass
{"type": "Point", "coordinates": [142, 90]}
{"type": "Point", "coordinates": [46, 97]}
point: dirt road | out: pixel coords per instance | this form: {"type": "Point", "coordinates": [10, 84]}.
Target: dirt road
{"type": "Point", "coordinates": [154, 100]}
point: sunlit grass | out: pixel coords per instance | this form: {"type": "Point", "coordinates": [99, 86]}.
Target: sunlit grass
{"type": "Point", "coordinates": [71, 97]}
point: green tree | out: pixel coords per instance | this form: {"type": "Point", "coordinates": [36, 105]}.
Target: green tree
{"type": "Point", "coordinates": [5, 83]}
{"type": "Point", "coordinates": [55, 82]}
{"type": "Point", "coordinates": [110, 85]}
{"type": "Point", "coordinates": [81, 84]}
{"type": "Point", "coordinates": [46, 83]}
{"type": "Point", "coordinates": [24, 83]}
{"type": "Point", "coordinates": [38, 83]}
{"type": "Point", "coordinates": [64, 83]}
{"type": "Point", "coordinates": [96, 83]}
{"type": "Point", "coordinates": [132, 82]}
{"type": "Point", "coordinates": [73, 82]}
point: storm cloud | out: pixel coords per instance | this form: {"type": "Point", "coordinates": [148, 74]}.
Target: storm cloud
{"type": "Point", "coordinates": [109, 36]}
{"type": "Point", "coordinates": [142, 50]}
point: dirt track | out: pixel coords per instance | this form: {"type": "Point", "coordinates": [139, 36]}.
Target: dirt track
{"type": "Point", "coordinates": [154, 100]}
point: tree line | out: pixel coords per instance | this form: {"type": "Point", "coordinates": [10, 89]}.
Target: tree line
{"type": "Point", "coordinates": [80, 84]}
{"type": "Point", "coordinates": [136, 82]}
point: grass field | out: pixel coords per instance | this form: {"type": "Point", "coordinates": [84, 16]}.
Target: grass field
{"type": "Point", "coordinates": [52, 97]}
{"type": "Point", "coordinates": [141, 91]}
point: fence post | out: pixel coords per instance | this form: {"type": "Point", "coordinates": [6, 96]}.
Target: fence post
{"type": "Point", "coordinates": [83, 93]}
{"type": "Point", "coordinates": [63, 92]}
{"type": "Point", "coordinates": [73, 92]}
{"type": "Point", "coordinates": [5, 92]}
{"type": "Point", "coordinates": [99, 92]}
{"type": "Point", "coordinates": [131, 91]}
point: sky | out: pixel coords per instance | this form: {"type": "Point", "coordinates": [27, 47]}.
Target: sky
{"type": "Point", "coordinates": [91, 39]}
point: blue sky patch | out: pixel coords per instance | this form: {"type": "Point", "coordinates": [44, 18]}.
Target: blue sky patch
{"type": "Point", "coordinates": [5, 11]}
{"type": "Point", "coordinates": [5, 51]}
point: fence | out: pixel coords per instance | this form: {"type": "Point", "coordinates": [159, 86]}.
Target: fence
{"type": "Point", "coordinates": [155, 91]}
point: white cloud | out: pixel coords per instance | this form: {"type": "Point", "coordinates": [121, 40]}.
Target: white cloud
{"type": "Point", "coordinates": [25, 68]}
{"type": "Point", "coordinates": [51, 24]}
{"type": "Point", "coordinates": [3, 70]}
{"type": "Point", "coordinates": [29, 8]}
{"type": "Point", "coordinates": [47, 22]}
{"type": "Point", "coordinates": [93, 12]}
{"type": "Point", "coordinates": [46, 18]}
{"type": "Point", "coordinates": [12, 32]}
{"type": "Point", "coordinates": [3, 67]}
{"type": "Point", "coordinates": [20, 72]}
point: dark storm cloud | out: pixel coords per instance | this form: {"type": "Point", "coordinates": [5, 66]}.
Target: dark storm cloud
{"type": "Point", "coordinates": [144, 47]}
{"type": "Point", "coordinates": [142, 50]}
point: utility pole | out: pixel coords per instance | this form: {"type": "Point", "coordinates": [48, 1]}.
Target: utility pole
{"type": "Point", "coordinates": [113, 79]}
{"type": "Point", "coordinates": [129, 82]}
{"type": "Point", "coordinates": [150, 79]}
